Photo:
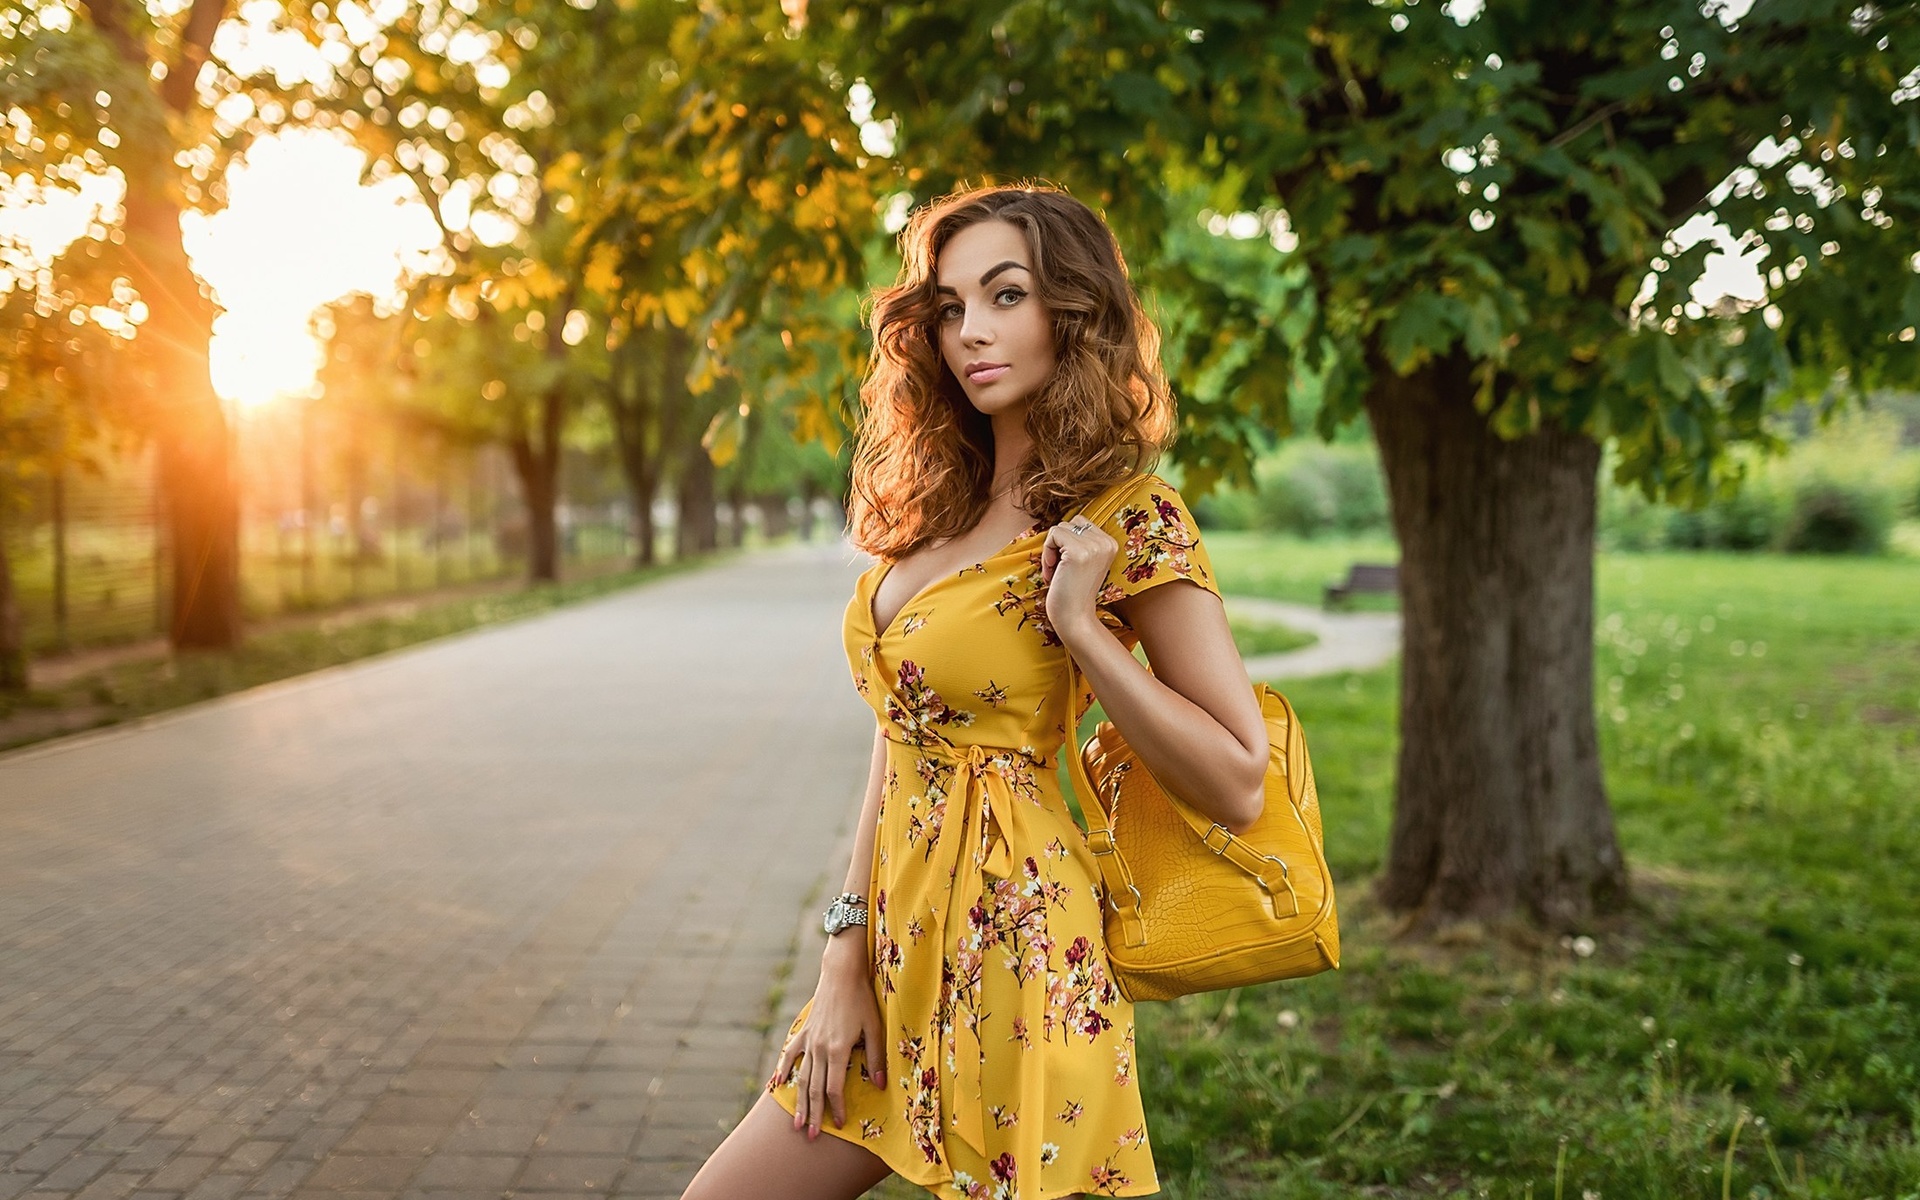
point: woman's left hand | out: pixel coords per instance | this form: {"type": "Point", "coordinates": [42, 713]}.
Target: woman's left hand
{"type": "Point", "coordinates": [1073, 566]}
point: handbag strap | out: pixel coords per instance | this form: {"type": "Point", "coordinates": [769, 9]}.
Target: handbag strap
{"type": "Point", "coordinates": [1122, 894]}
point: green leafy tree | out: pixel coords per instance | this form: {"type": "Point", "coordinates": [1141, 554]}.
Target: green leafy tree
{"type": "Point", "coordinates": [728, 209]}
{"type": "Point", "coordinates": [69, 381]}
{"type": "Point", "coordinates": [112, 86]}
{"type": "Point", "coordinates": [477, 110]}
{"type": "Point", "coordinates": [1483, 208]}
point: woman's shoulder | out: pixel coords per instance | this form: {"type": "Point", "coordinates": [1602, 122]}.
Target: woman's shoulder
{"type": "Point", "coordinates": [1143, 499]}
{"type": "Point", "coordinates": [1159, 538]}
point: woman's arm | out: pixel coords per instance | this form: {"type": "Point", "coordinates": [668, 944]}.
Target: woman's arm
{"type": "Point", "coordinates": [1193, 719]}
{"type": "Point", "coordinates": [845, 1011]}
{"type": "Point", "coordinates": [850, 950]}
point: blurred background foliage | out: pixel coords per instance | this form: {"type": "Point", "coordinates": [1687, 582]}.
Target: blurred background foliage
{"type": "Point", "coordinates": [1848, 486]}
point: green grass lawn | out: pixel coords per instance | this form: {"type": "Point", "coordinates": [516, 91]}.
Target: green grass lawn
{"type": "Point", "coordinates": [1749, 1029]}
{"type": "Point", "coordinates": [1266, 637]}
{"type": "Point", "coordinates": [1283, 567]}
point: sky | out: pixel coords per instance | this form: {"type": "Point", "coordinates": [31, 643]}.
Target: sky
{"type": "Point", "coordinates": [299, 231]}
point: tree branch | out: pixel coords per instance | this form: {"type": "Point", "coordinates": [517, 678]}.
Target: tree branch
{"type": "Point", "coordinates": [196, 38]}
{"type": "Point", "coordinates": [1588, 122]}
{"type": "Point", "coordinates": [110, 18]}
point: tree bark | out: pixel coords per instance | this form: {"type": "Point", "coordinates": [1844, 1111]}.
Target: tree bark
{"type": "Point", "coordinates": [536, 463]}
{"type": "Point", "coordinates": [1500, 804]}
{"type": "Point", "coordinates": [536, 453]}
{"type": "Point", "coordinates": [643, 367]}
{"type": "Point", "coordinates": [194, 442]}
{"type": "Point", "coordinates": [698, 531]}
{"type": "Point", "coordinates": [741, 471]}
{"type": "Point", "coordinates": [13, 646]}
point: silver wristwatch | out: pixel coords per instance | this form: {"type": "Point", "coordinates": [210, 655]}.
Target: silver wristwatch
{"type": "Point", "coordinates": [848, 908]}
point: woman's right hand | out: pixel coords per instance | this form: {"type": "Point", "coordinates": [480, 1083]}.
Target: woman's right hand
{"type": "Point", "coordinates": [844, 1013]}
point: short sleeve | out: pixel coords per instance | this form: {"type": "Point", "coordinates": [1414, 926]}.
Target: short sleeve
{"type": "Point", "coordinates": [1159, 542]}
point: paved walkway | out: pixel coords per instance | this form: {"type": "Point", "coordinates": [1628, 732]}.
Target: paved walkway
{"type": "Point", "coordinates": [487, 916]}
{"type": "Point", "coordinates": [1348, 641]}
{"type": "Point", "coordinates": [523, 911]}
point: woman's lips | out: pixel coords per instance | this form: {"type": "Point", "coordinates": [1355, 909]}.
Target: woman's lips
{"type": "Point", "coordinates": [983, 375]}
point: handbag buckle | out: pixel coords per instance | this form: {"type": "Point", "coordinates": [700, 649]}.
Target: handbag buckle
{"type": "Point", "coordinates": [1100, 841]}
{"type": "Point", "coordinates": [1286, 881]}
{"type": "Point", "coordinates": [1226, 838]}
{"type": "Point", "coordinates": [1115, 905]}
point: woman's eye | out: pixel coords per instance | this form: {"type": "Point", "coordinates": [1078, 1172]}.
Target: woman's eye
{"type": "Point", "coordinates": [949, 312]}
{"type": "Point", "coordinates": [1011, 295]}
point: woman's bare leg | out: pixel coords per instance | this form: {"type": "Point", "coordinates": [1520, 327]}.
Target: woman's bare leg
{"type": "Point", "coordinates": [766, 1156]}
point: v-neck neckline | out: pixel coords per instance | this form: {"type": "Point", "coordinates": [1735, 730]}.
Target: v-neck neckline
{"type": "Point", "coordinates": [873, 591]}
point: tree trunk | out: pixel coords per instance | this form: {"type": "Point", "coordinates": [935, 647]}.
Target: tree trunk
{"type": "Point", "coordinates": [738, 472]}
{"type": "Point", "coordinates": [13, 646]}
{"type": "Point", "coordinates": [194, 441]}
{"type": "Point", "coordinates": [195, 451]}
{"type": "Point", "coordinates": [630, 399]}
{"type": "Point", "coordinates": [808, 490]}
{"type": "Point", "coordinates": [537, 466]}
{"type": "Point", "coordinates": [698, 532]}
{"type": "Point", "coordinates": [1500, 806]}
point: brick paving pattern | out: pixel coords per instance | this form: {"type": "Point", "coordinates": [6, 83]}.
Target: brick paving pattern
{"type": "Point", "coordinates": [500, 915]}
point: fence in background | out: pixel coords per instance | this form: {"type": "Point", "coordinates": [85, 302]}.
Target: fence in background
{"type": "Point", "coordinates": [336, 508]}
{"type": "Point", "coordinates": [87, 555]}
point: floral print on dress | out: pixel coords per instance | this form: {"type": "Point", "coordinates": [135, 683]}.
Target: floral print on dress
{"type": "Point", "coordinates": [886, 951]}
{"type": "Point", "coordinates": [1159, 542]}
{"type": "Point", "coordinates": [1077, 998]}
{"type": "Point", "coordinates": [860, 670]}
{"type": "Point", "coordinates": [1108, 1179]}
{"type": "Point", "coordinates": [1016, 920]}
{"type": "Point", "coordinates": [1157, 536]}
{"type": "Point", "coordinates": [927, 811]}
{"type": "Point", "coordinates": [1025, 594]}
{"type": "Point", "coordinates": [1009, 1053]}
{"type": "Point", "coordinates": [916, 708]}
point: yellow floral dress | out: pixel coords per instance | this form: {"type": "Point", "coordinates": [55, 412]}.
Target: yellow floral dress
{"type": "Point", "coordinates": [1010, 1052]}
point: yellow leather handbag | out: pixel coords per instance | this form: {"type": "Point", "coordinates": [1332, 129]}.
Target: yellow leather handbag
{"type": "Point", "coordinates": [1191, 906]}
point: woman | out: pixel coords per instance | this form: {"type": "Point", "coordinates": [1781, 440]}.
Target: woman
{"type": "Point", "coordinates": [969, 1035]}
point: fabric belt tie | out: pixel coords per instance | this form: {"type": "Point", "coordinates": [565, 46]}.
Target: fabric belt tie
{"type": "Point", "coordinates": [978, 829]}
{"type": "Point", "coordinates": [975, 840]}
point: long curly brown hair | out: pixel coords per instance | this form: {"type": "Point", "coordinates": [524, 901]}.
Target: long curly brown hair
{"type": "Point", "coordinates": [923, 461]}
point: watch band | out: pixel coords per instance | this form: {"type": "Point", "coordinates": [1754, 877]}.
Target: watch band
{"type": "Point", "coordinates": [848, 909]}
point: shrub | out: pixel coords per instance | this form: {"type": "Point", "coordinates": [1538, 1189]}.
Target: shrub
{"type": "Point", "coordinates": [1747, 519]}
{"type": "Point", "coordinates": [1223, 509]}
{"type": "Point", "coordinates": [1311, 488]}
{"type": "Point", "coordinates": [1831, 516]}
{"type": "Point", "coordinates": [1686, 529]}
{"type": "Point", "coordinates": [1308, 488]}
{"type": "Point", "coordinates": [1630, 521]}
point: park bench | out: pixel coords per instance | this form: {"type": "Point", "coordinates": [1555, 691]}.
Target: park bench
{"type": "Point", "coordinates": [1363, 577]}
